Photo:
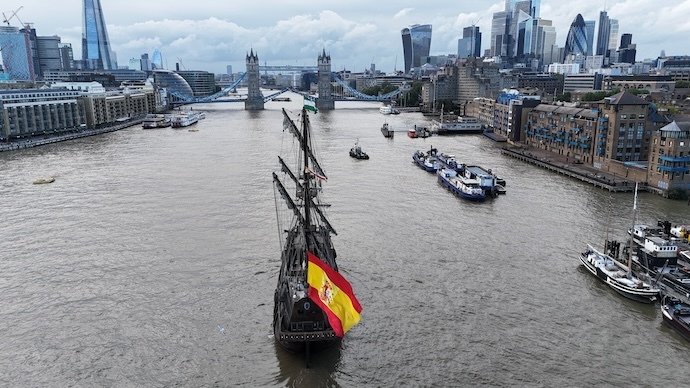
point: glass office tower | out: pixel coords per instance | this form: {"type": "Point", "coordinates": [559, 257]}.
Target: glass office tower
{"type": "Point", "coordinates": [416, 41]}
{"type": "Point", "coordinates": [576, 42]}
{"type": "Point", "coordinates": [95, 45]}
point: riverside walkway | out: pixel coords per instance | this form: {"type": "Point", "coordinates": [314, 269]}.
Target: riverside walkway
{"type": "Point", "coordinates": [36, 141]}
{"type": "Point", "coordinates": [563, 166]}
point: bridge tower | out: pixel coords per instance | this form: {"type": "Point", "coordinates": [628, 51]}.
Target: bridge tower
{"type": "Point", "coordinates": [255, 100]}
{"type": "Point", "coordinates": [325, 100]}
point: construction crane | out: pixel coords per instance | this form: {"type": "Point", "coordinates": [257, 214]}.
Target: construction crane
{"type": "Point", "coordinates": [179, 60]}
{"type": "Point", "coordinates": [6, 19]}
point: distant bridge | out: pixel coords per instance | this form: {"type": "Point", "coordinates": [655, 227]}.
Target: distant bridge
{"type": "Point", "coordinates": [348, 93]}
{"type": "Point", "coordinates": [289, 69]}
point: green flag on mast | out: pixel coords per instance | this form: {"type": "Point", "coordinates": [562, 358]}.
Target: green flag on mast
{"type": "Point", "coordinates": [310, 105]}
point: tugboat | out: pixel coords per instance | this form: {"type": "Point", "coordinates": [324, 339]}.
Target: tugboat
{"type": "Point", "coordinates": [357, 153]}
{"type": "Point", "coordinates": [314, 306]}
{"type": "Point", "coordinates": [427, 161]}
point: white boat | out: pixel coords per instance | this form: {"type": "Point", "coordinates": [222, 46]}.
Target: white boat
{"type": "Point", "coordinates": [386, 109]}
{"type": "Point", "coordinates": [462, 185]}
{"type": "Point", "coordinates": [454, 125]}
{"type": "Point", "coordinates": [155, 121]}
{"type": "Point", "coordinates": [617, 275]}
{"type": "Point", "coordinates": [185, 119]}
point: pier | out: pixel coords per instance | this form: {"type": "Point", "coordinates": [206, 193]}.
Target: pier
{"type": "Point", "coordinates": [576, 171]}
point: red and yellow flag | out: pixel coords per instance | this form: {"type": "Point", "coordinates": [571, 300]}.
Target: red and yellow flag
{"type": "Point", "coordinates": [330, 291]}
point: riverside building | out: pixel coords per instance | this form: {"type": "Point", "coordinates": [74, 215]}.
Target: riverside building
{"type": "Point", "coordinates": [30, 112]}
{"type": "Point", "coordinates": [669, 159]}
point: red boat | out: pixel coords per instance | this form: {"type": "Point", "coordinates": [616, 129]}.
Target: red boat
{"type": "Point", "coordinates": [416, 132]}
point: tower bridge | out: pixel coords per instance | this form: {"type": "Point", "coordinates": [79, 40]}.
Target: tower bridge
{"type": "Point", "coordinates": [325, 99]}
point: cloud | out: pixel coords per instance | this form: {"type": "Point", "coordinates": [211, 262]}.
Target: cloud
{"type": "Point", "coordinates": [212, 34]}
{"type": "Point", "coordinates": [402, 13]}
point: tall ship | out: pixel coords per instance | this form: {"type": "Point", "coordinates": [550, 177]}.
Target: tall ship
{"type": "Point", "coordinates": [314, 306]}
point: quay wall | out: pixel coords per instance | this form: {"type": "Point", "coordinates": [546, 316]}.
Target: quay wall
{"type": "Point", "coordinates": [39, 140]}
{"type": "Point", "coordinates": [593, 178]}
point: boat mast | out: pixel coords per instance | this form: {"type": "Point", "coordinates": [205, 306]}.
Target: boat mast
{"type": "Point", "coordinates": [307, 175]}
{"type": "Point", "coordinates": [632, 230]}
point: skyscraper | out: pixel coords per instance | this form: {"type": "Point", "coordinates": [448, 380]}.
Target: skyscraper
{"type": "Point", "coordinates": [613, 34]}
{"type": "Point", "coordinates": [603, 34]}
{"type": "Point", "coordinates": [416, 41]}
{"type": "Point", "coordinates": [156, 60]}
{"type": "Point", "coordinates": [470, 45]}
{"type": "Point", "coordinates": [589, 28]}
{"type": "Point", "coordinates": [512, 29]}
{"type": "Point", "coordinates": [95, 45]}
{"type": "Point", "coordinates": [627, 50]}
{"type": "Point", "coordinates": [576, 42]}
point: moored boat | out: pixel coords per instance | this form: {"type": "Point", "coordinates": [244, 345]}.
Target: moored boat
{"type": "Point", "coordinates": [418, 131]}
{"type": "Point", "coordinates": [677, 314]}
{"type": "Point", "coordinates": [185, 119]}
{"type": "Point", "coordinates": [462, 185]}
{"type": "Point", "coordinates": [620, 277]}
{"type": "Point", "coordinates": [314, 306]}
{"type": "Point", "coordinates": [155, 121]}
{"type": "Point", "coordinates": [427, 161]}
{"type": "Point", "coordinates": [451, 125]}
{"type": "Point", "coordinates": [386, 131]}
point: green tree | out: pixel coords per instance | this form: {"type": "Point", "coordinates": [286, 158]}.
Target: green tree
{"type": "Point", "coordinates": [567, 97]}
{"type": "Point", "coordinates": [412, 97]}
{"type": "Point", "coordinates": [682, 84]}
{"type": "Point", "coordinates": [598, 96]}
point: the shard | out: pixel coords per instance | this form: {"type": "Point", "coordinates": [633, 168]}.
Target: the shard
{"type": "Point", "coordinates": [96, 52]}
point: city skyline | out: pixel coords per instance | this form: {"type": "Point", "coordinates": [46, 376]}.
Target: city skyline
{"type": "Point", "coordinates": [356, 33]}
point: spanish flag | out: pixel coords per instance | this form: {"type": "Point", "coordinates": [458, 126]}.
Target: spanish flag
{"type": "Point", "coordinates": [330, 291]}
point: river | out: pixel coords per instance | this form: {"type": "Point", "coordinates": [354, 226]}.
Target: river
{"type": "Point", "coordinates": [152, 260]}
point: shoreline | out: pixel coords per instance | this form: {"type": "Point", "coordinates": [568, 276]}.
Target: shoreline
{"type": "Point", "coordinates": [36, 141]}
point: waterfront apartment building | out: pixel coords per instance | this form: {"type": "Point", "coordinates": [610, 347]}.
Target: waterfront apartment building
{"type": "Point", "coordinates": [483, 109]}
{"type": "Point", "coordinates": [630, 128]}
{"type": "Point", "coordinates": [34, 112]}
{"type": "Point", "coordinates": [30, 112]}
{"type": "Point", "coordinates": [510, 111]}
{"type": "Point", "coordinates": [572, 132]}
{"type": "Point", "coordinates": [669, 158]}
{"type": "Point", "coordinates": [105, 109]}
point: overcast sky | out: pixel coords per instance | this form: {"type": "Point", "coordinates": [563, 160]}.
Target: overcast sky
{"type": "Point", "coordinates": [210, 34]}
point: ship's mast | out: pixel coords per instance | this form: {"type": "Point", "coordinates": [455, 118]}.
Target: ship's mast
{"type": "Point", "coordinates": [307, 173]}
{"type": "Point", "coordinates": [632, 230]}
